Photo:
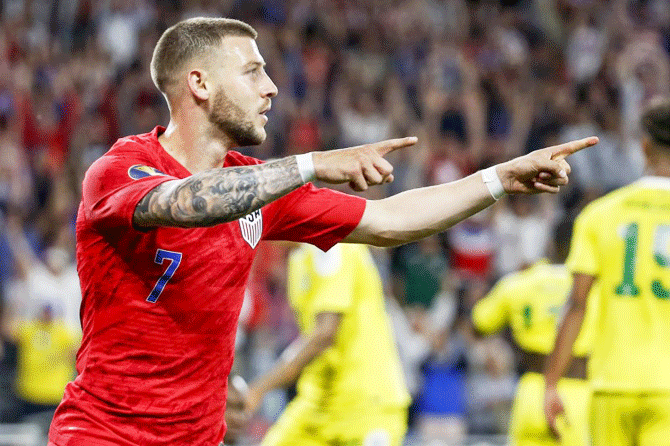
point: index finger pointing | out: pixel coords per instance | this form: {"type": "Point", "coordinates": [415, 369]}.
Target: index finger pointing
{"type": "Point", "coordinates": [561, 151]}
{"type": "Point", "coordinates": [384, 147]}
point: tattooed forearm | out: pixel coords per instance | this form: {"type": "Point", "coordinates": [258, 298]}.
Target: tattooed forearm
{"type": "Point", "coordinates": [218, 195]}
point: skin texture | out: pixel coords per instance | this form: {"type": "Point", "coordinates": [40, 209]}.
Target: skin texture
{"type": "Point", "coordinates": [287, 371]}
{"type": "Point", "coordinates": [418, 213]}
{"type": "Point", "coordinates": [559, 360]}
{"type": "Point", "coordinates": [217, 196]}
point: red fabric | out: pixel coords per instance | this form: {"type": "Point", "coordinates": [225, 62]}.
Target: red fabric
{"type": "Point", "coordinates": [469, 264]}
{"type": "Point", "coordinates": [155, 373]}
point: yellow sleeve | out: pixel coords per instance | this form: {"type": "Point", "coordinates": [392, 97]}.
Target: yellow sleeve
{"type": "Point", "coordinates": [583, 257]}
{"type": "Point", "coordinates": [332, 280]}
{"type": "Point", "coordinates": [491, 312]}
{"type": "Point", "coordinates": [71, 337]}
{"type": "Point", "coordinates": [21, 332]}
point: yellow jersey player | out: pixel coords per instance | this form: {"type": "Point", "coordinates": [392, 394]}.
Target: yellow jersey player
{"type": "Point", "coordinates": [350, 387]}
{"type": "Point", "coordinates": [622, 242]}
{"type": "Point", "coordinates": [530, 302]}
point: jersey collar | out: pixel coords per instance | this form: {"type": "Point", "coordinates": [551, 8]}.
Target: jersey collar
{"type": "Point", "coordinates": [165, 156]}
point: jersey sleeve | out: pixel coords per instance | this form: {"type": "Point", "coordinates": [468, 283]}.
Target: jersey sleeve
{"type": "Point", "coordinates": [321, 217]}
{"type": "Point", "coordinates": [109, 192]}
{"type": "Point", "coordinates": [583, 257]}
{"type": "Point", "coordinates": [491, 312]}
{"type": "Point", "coordinates": [333, 281]}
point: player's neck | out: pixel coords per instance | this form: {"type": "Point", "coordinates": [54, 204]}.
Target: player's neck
{"type": "Point", "coordinates": [194, 145]}
{"type": "Point", "coordinates": [659, 166]}
{"type": "Point", "coordinates": [657, 172]}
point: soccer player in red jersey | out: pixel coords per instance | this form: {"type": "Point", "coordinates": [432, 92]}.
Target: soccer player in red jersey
{"type": "Point", "coordinates": [169, 222]}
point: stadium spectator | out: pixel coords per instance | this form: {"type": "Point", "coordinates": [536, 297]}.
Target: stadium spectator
{"type": "Point", "coordinates": [10, 406]}
{"type": "Point", "coordinates": [421, 270]}
{"type": "Point", "coordinates": [413, 350]}
{"type": "Point", "coordinates": [522, 226]}
{"type": "Point", "coordinates": [439, 411]}
{"type": "Point", "coordinates": [50, 280]}
{"type": "Point", "coordinates": [490, 386]}
{"type": "Point", "coordinates": [472, 246]}
{"type": "Point", "coordinates": [46, 347]}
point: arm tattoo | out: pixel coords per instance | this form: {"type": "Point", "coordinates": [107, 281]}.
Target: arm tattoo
{"type": "Point", "coordinates": [217, 195]}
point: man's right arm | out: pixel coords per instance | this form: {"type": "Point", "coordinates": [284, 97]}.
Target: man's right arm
{"type": "Point", "coordinates": [226, 194]}
{"type": "Point", "coordinates": [217, 195]}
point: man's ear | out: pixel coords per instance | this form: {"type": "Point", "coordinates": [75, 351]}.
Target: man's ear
{"type": "Point", "coordinates": [198, 85]}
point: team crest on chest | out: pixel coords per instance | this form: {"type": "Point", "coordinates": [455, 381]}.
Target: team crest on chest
{"type": "Point", "coordinates": [138, 171]}
{"type": "Point", "coordinates": [251, 226]}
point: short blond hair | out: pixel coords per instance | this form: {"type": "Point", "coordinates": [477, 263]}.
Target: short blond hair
{"type": "Point", "coordinates": [187, 39]}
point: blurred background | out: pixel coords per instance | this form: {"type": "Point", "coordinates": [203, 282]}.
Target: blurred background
{"type": "Point", "coordinates": [477, 81]}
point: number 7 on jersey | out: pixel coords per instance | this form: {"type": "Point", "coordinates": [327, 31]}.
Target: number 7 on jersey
{"type": "Point", "coordinates": [175, 260]}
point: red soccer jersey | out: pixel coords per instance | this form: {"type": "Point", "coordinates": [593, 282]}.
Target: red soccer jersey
{"type": "Point", "coordinates": [160, 306]}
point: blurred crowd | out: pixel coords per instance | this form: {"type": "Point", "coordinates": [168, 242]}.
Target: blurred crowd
{"type": "Point", "coordinates": [477, 81]}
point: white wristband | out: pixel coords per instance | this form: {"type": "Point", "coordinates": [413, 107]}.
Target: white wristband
{"type": "Point", "coordinates": [492, 181]}
{"type": "Point", "coordinates": [305, 167]}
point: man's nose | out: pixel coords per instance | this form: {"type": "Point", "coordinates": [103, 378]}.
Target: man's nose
{"type": "Point", "coordinates": [269, 88]}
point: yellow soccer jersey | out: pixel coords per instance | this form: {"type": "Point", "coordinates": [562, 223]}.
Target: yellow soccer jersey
{"type": "Point", "coordinates": [623, 239]}
{"type": "Point", "coordinates": [45, 361]}
{"type": "Point", "coordinates": [362, 367]}
{"type": "Point", "coordinates": [531, 303]}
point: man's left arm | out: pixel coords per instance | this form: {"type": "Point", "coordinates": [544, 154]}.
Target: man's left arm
{"type": "Point", "coordinates": [418, 213]}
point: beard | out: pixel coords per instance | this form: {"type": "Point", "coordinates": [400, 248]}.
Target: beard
{"type": "Point", "coordinates": [230, 119]}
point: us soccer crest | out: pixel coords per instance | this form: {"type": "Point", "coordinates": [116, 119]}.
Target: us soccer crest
{"type": "Point", "coordinates": [251, 226]}
{"type": "Point", "coordinates": [138, 171]}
